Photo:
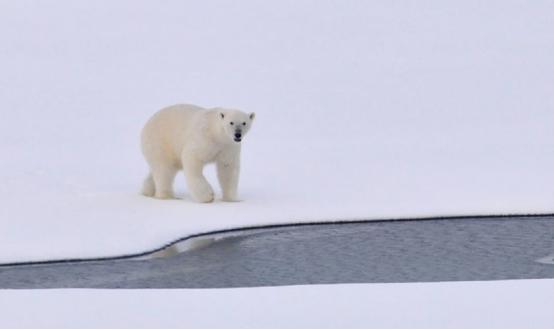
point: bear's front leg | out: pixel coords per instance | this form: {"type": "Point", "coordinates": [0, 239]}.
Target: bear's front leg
{"type": "Point", "coordinates": [198, 185]}
{"type": "Point", "coordinates": [228, 170]}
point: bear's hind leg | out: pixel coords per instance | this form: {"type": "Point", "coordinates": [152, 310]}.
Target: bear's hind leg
{"type": "Point", "coordinates": [163, 180]}
{"type": "Point", "coordinates": [148, 187]}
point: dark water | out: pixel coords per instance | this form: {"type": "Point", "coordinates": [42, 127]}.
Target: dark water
{"type": "Point", "coordinates": [407, 251]}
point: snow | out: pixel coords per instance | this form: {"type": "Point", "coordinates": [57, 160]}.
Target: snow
{"type": "Point", "coordinates": [498, 304]}
{"type": "Point", "coordinates": [365, 110]}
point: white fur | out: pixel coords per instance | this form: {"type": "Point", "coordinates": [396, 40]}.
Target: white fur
{"type": "Point", "coordinates": [188, 137]}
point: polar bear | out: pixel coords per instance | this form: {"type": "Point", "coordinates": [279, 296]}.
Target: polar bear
{"type": "Point", "coordinates": [188, 137]}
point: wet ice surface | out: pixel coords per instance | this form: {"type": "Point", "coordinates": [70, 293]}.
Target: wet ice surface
{"type": "Point", "coordinates": [405, 251]}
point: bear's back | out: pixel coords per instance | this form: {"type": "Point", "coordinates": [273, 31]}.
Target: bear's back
{"type": "Point", "coordinates": [166, 131]}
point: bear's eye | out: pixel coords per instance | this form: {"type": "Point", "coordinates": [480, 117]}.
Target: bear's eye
{"type": "Point", "coordinates": [232, 123]}
{"type": "Point", "coordinates": [244, 124]}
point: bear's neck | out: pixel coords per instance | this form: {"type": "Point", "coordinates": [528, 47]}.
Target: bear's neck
{"type": "Point", "coordinates": [216, 131]}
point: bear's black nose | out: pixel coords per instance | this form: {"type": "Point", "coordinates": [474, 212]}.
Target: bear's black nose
{"type": "Point", "coordinates": [238, 135]}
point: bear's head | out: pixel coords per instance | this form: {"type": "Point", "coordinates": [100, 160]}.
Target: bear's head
{"type": "Point", "coordinates": [235, 123]}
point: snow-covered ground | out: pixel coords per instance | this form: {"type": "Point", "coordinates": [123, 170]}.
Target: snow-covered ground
{"type": "Point", "coordinates": [365, 110]}
{"type": "Point", "coordinates": [499, 304]}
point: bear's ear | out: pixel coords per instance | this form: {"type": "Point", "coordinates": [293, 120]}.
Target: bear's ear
{"type": "Point", "coordinates": [222, 115]}
{"type": "Point", "coordinates": [252, 115]}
